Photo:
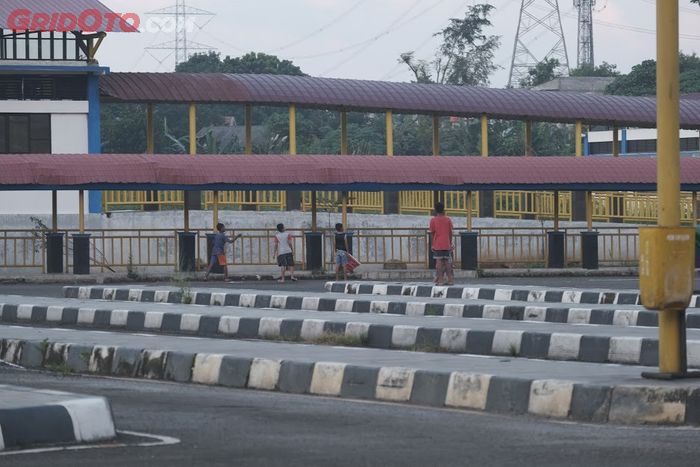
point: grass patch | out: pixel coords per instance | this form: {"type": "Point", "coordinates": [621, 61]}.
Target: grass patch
{"type": "Point", "coordinates": [64, 368]}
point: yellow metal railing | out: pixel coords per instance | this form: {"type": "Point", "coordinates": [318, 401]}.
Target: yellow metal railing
{"type": "Point", "coordinates": [423, 202]}
{"type": "Point", "coordinates": [261, 200]}
{"type": "Point", "coordinates": [358, 201]}
{"type": "Point", "coordinates": [531, 204]}
{"type": "Point", "coordinates": [635, 207]}
{"type": "Point", "coordinates": [136, 200]}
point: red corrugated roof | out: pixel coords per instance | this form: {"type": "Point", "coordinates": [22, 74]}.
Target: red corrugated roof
{"type": "Point", "coordinates": [73, 7]}
{"type": "Point", "coordinates": [379, 96]}
{"type": "Point", "coordinates": [335, 172]}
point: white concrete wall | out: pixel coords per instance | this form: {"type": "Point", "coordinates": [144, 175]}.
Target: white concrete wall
{"type": "Point", "coordinates": [69, 135]}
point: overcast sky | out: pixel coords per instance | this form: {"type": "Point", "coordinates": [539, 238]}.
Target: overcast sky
{"type": "Point", "coordinates": [363, 38]}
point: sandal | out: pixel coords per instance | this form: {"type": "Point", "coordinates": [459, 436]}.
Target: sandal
{"type": "Point", "coordinates": [294, 279]}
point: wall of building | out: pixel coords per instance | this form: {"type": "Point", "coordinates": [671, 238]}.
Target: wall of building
{"type": "Point", "coordinates": [69, 135]}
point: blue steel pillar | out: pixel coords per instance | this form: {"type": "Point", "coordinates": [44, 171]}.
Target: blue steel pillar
{"type": "Point", "coordinates": [94, 138]}
{"type": "Point", "coordinates": [623, 149]}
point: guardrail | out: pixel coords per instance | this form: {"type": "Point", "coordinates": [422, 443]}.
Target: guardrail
{"type": "Point", "coordinates": [157, 248]}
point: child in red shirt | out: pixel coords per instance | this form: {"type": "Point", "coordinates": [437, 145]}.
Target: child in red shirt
{"type": "Point", "coordinates": [441, 232]}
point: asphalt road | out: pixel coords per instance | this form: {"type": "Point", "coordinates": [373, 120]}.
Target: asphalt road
{"type": "Point", "coordinates": [52, 290]}
{"type": "Point", "coordinates": [224, 427]}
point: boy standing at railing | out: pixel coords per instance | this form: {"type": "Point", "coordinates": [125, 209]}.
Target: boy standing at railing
{"type": "Point", "coordinates": [284, 251]}
{"type": "Point", "coordinates": [441, 232]}
{"type": "Point", "coordinates": [218, 251]}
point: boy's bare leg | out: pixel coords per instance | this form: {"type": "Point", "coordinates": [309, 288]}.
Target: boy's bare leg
{"type": "Point", "coordinates": [291, 273]}
{"type": "Point", "coordinates": [337, 272]}
{"type": "Point", "coordinates": [439, 270]}
{"type": "Point", "coordinates": [225, 273]}
{"type": "Point", "coordinates": [282, 274]}
{"type": "Point", "coordinates": [450, 272]}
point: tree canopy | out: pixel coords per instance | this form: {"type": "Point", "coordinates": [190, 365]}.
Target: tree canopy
{"type": "Point", "coordinates": [605, 69]}
{"type": "Point", "coordinates": [543, 72]}
{"type": "Point", "coordinates": [641, 80]}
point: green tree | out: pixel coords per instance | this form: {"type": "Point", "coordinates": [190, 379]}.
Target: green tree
{"type": "Point", "coordinates": [641, 80]}
{"type": "Point", "coordinates": [541, 73]}
{"type": "Point", "coordinates": [604, 70]}
{"type": "Point", "coordinates": [465, 56]}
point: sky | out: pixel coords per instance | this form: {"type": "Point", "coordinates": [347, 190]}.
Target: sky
{"type": "Point", "coordinates": [363, 39]}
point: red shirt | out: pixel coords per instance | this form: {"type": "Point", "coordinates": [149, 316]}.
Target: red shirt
{"type": "Point", "coordinates": [441, 229]}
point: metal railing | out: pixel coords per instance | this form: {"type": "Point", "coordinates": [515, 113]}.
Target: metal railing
{"type": "Point", "coordinates": [423, 202]}
{"type": "Point", "coordinates": [358, 201]}
{"type": "Point", "coordinates": [258, 200]}
{"type": "Point", "coordinates": [531, 204]}
{"type": "Point", "coordinates": [635, 207]}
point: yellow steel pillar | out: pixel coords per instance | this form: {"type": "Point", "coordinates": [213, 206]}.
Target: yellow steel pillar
{"type": "Point", "coordinates": [248, 129]}
{"type": "Point", "coordinates": [528, 138]}
{"type": "Point", "coordinates": [469, 211]}
{"type": "Point", "coordinates": [193, 151]}
{"type": "Point", "coordinates": [150, 139]}
{"type": "Point", "coordinates": [389, 133]}
{"type": "Point", "coordinates": [556, 211]}
{"type": "Point", "coordinates": [215, 208]}
{"type": "Point", "coordinates": [81, 211]}
{"type": "Point", "coordinates": [344, 148]}
{"type": "Point", "coordinates": [579, 136]}
{"type": "Point", "coordinates": [484, 136]}
{"type": "Point", "coordinates": [54, 211]}
{"type": "Point", "coordinates": [671, 322]}
{"type": "Point", "coordinates": [292, 129]}
{"type": "Point", "coordinates": [589, 210]}
{"type": "Point", "coordinates": [314, 212]}
{"type": "Point", "coordinates": [616, 141]}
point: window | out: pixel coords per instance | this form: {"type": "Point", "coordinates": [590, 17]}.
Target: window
{"type": "Point", "coordinates": [25, 133]}
{"type": "Point", "coordinates": [690, 144]}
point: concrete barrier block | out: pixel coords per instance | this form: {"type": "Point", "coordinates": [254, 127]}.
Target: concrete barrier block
{"type": "Point", "coordinates": [24, 312]}
{"type": "Point", "coordinates": [344, 304]}
{"type": "Point", "coordinates": [493, 311]}
{"type": "Point", "coordinates": [278, 301]}
{"type": "Point", "coordinates": [359, 382]}
{"type": "Point", "coordinates": [125, 362]}
{"type": "Point", "coordinates": [84, 293]}
{"type": "Point", "coordinates": [395, 384]}
{"type": "Point", "coordinates": [536, 296]}
{"type": "Point", "coordinates": [403, 336]}
{"type": "Point", "coordinates": [312, 329]}
{"type": "Point", "coordinates": [217, 299]}
{"type": "Point", "coordinates": [467, 390]}
{"type": "Point", "coordinates": [535, 313]}
{"type": "Point", "coordinates": [310, 303]}
{"type": "Point", "coordinates": [264, 374]}
{"type": "Point", "coordinates": [57, 353]}
{"type": "Point", "coordinates": [153, 320]}
{"type": "Point", "coordinates": [415, 309]}
{"type": "Point", "coordinates": [564, 346]}
{"type": "Point", "coordinates": [625, 317]}
{"type": "Point", "coordinates": [379, 306]}
{"type": "Point", "coordinates": [86, 316]}
{"type": "Point", "coordinates": [32, 354]}
{"type": "Point", "coordinates": [591, 403]}
{"type": "Point", "coordinates": [247, 300]}
{"type": "Point", "coordinates": [54, 314]}
{"type": "Point", "coordinates": [178, 366]}
{"type": "Point", "coordinates": [625, 349]}
{"type": "Point", "coordinates": [551, 398]}
{"type": "Point", "coordinates": [189, 322]}
{"type": "Point", "coordinates": [228, 325]}
{"type": "Point", "coordinates": [571, 296]}
{"type": "Point", "coordinates": [91, 418]}
{"type": "Point", "coordinates": [295, 377]}
{"type": "Point", "coordinates": [152, 364]}
{"type": "Point", "coordinates": [454, 340]}
{"type": "Point", "coordinates": [327, 378]}
{"type": "Point", "coordinates": [101, 360]}
{"type": "Point", "coordinates": [502, 295]}
{"type": "Point", "coordinates": [270, 327]}
{"type": "Point", "coordinates": [206, 369]}
{"type": "Point", "coordinates": [134, 295]}
{"type": "Point", "coordinates": [118, 318]}
{"type": "Point", "coordinates": [507, 343]}
{"type": "Point", "coordinates": [379, 289]}
{"type": "Point", "coordinates": [639, 405]}
{"type": "Point", "coordinates": [430, 388]}
{"type": "Point", "coordinates": [77, 357]}
{"type": "Point", "coordinates": [234, 371]}
{"type": "Point", "coordinates": [453, 309]}
{"type": "Point", "coordinates": [161, 296]}
{"type": "Point", "coordinates": [357, 330]}
{"type": "Point", "coordinates": [579, 316]}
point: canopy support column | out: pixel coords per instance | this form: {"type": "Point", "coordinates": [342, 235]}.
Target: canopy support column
{"type": "Point", "coordinates": [314, 212]}
{"type": "Point", "coordinates": [193, 151]}
{"type": "Point", "coordinates": [54, 211]}
{"type": "Point", "coordinates": [81, 211]}
{"type": "Point", "coordinates": [437, 194]}
{"type": "Point", "coordinates": [579, 136]}
{"type": "Point", "coordinates": [469, 211]}
{"type": "Point", "coordinates": [556, 211]}
{"type": "Point", "coordinates": [215, 209]}
{"type": "Point", "coordinates": [589, 210]}
{"type": "Point", "coordinates": [292, 129]}
{"type": "Point", "coordinates": [389, 133]}
{"type": "Point", "coordinates": [484, 136]}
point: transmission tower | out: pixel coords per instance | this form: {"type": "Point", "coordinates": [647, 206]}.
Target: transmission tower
{"type": "Point", "coordinates": [539, 20]}
{"type": "Point", "coordinates": [585, 32]}
{"type": "Point", "coordinates": [184, 21]}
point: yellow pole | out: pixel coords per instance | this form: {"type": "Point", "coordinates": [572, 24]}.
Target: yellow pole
{"type": "Point", "coordinates": [150, 139]}
{"type": "Point", "coordinates": [436, 135]}
{"type": "Point", "coordinates": [469, 211]}
{"type": "Point", "coordinates": [484, 136]}
{"type": "Point", "coordinates": [81, 211]}
{"type": "Point", "coordinates": [54, 211]}
{"type": "Point", "coordinates": [215, 210]}
{"type": "Point", "coordinates": [695, 209]}
{"type": "Point", "coordinates": [314, 211]}
{"type": "Point", "coordinates": [589, 210]}
{"type": "Point", "coordinates": [616, 141]}
{"type": "Point", "coordinates": [671, 322]}
{"type": "Point", "coordinates": [344, 195]}
{"type": "Point", "coordinates": [389, 133]}
{"type": "Point", "coordinates": [528, 138]}
{"type": "Point", "coordinates": [556, 211]}
{"type": "Point", "coordinates": [579, 135]}
{"type": "Point", "coordinates": [193, 129]}
{"type": "Point", "coordinates": [292, 129]}
{"type": "Point", "coordinates": [248, 129]}
{"type": "Point", "coordinates": [344, 148]}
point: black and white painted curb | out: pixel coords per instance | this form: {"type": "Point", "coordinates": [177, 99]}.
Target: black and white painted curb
{"type": "Point", "coordinates": [624, 404]}
{"type": "Point", "coordinates": [590, 297]}
{"type": "Point", "coordinates": [535, 312]}
{"type": "Point", "coordinates": [32, 417]}
{"type": "Point", "coordinates": [511, 343]}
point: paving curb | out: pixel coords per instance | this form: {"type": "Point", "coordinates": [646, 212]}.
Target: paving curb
{"type": "Point", "coordinates": [522, 294]}
{"type": "Point", "coordinates": [50, 417]}
{"type": "Point", "coordinates": [518, 312]}
{"type": "Point", "coordinates": [558, 399]}
{"type": "Point", "coordinates": [510, 343]}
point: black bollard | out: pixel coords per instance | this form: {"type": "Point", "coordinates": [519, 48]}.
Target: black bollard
{"type": "Point", "coordinates": [556, 252]}
{"type": "Point", "coordinates": [54, 252]}
{"type": "Point", "coordinates": [186, 251]}
{"type": "Point", "coordinates": [314, 251]}
{"type": "Point", "coordinates": [81, 254]}
{"type": "Point", "coordinates": [589, 250]}
{"type": "Point", "coordinates": [469, 251]}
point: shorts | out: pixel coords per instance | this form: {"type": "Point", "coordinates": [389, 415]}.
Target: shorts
{"type": "Point", "coordinates": [218, 259]}
{"type": "Point", "coordinates": [442, 254]}
{"type": "Point", "coordinates": [341, 257]}
{"type": "Point", "coordinates": [286, 260]}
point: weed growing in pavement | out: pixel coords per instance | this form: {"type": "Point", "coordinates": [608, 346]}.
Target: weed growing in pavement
{"type": "Point", "coordinates": [44, 345]}
{"type": "Point", "coordinates": [513, 350]}
{"type": "Point", "coordinates": [64, 368]}
{"type": "Point", "coordinates": [184, 291]}
{"type": "Point", "coordinates": [340, 339]}
{"type": "Point", "coordinates": [131, 272]}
